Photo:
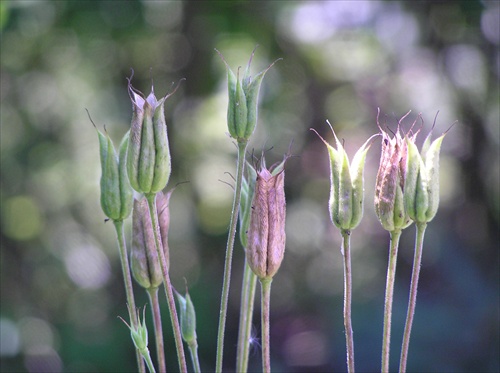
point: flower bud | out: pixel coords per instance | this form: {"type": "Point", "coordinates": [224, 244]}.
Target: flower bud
{"type": "Point", "coordinates": [144, 260]}
{"type": "Point", "coordinates": [243, 99]}
{"type": "Point", "coordinates": [346, 184]}
{"type": "Point", "coordinates": [266, 232]}
{"type": "Point", "coordinates": [116, 192]}
{"type": "Point", "coordinates": [148, 160]}
{"type": "Point", "coordinates": [247, 192]}
{"type": "Point", "coordinates": [140, 334]}
{"type": "Point", "coordinates": [187, 316]}
{"type": "Point", "coordinates": [421, 197]}
{"type": "Point", "coordinates": [390, 184]}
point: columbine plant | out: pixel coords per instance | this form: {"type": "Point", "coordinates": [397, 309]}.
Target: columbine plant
{"type": "Point", "coordinates": [241, 122]}
{"type": "Point", "coordinates": [391, 212]}
{"type": "Point", "coordinates": [421, 200]}
{"type": "Point", "coordinates": [346, 211]}
{"type": "Point", "coordinates": [148, 166]}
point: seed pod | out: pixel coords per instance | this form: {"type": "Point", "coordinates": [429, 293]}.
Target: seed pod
{"type": "Point", "coordinates": [116, 192]}
{"type": "Point", "coordinates": [187, 316]}
{"type": "Point", "coordinates": [389, 205]}
{"type": "Point", "coordinates": [148, 160]}
{"type": "Point", "coordinates": [422, 194]}
{"type": "Point", "coordinates": [247, 192]}
{"type": "Point", "coordinates": [144, 261]}
{"type": "Point", "coordinates": [243, 101]}
{"type": "Point", "coordinates": [266, 233]}
{"type": "Point", "coordinates": [346, 184]}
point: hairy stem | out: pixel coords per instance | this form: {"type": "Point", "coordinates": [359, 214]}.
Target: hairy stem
{"type": "Point", "coordinates": [193, 350]}
{"type": "Point", "coordinates": [127, 280]}
{"type": "Point", "coordinates": [155, 310]}
{"type": "Point", "coordinates": [246, 314]}
{"type": "Point", "coordinates": [149, 362]}
{"type": "Point", "coordinates": [167, 285]}
{"type": "Point", "coordinates": [417, 262]}
{"type": "Point", "coordinates": [346, 252]}
{"type": "Point", "coordinates": [265, 309]}
{"type": "Point", "coordinates": [389, 295]}
{"type": "Point", "coordinates": [229, 255]}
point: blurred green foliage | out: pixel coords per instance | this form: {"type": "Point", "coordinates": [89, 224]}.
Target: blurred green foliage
{"type": "Point", "coordinates": [61, 289]}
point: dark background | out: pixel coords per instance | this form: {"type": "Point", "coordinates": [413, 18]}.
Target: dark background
{"type": "Point", "coordinates": [61, 289]}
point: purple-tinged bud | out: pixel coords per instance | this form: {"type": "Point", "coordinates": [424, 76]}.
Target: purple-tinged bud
{"type": "Point", "coordinates": [266, 233]}
{"type": "Point", "coordinates": [144, 260]}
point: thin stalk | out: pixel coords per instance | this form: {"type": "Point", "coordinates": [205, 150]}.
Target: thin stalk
{"type": "Point", "coordinates": [417, 261]}
{"type": "Point", "coordinates": [155, 310]}
{"type": "Point", "coordinates": [265, 308]}
{"type": "Point", "coordinates": [127, 280]}
{"type": "Point", "coordinates": [389, 295]}
{"type": "Point", "coordinates": [167, 284]}
{"type": "Point", "coordinates": [193, 351]}
{"type": "Point", "coordinates": [149, 362]}
{"type": "Point", "coordinates": [346, 252]}
{"type": "Point", "coordinates": [229, 255]}
{"type": "Point", "coordinates": [246, 313]}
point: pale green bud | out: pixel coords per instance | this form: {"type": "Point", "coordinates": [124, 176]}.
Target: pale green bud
{"type": "Point", "coordinates": [116, 192]}
{"type": "Point", "coordinates": [346, 184]}
{"type": "Point", "coordinates": [139, 334]}
{"type": "Point", "coordinates": [187, 316]}
{"type": "Point", "coordinates": [243, 101]}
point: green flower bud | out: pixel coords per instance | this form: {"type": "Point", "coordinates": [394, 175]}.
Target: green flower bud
{"type": "Point", "coordinates": [346, 184]}
{"type": "Point", "coordinates": [116, 192]}
{"type": "Point", "coordinates": [247, 192]}
{"type": "Point", "coordinates": [187, 316]}
{"type": "Point", "coordinates": [140, 334]}
{"type": "Point", "coordinates": [266, 232]}
{"type": "Point", "coordinates": [243, 99]}
{"type": "Point", "coordinates": [421, 195]}
{"type": "Point", "coordinates": [144, 261]}
{"type": "Point", "coordinates": [148, 160]}
{"type": "Point", "coordinates": [390, 184]}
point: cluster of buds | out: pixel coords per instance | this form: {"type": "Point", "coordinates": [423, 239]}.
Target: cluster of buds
{"type": "Point", "coordinates": [116, 192]}
{"type": "Point", "coordinates": [144, 260]}
{"type": "Point", "coordinates": [243, 99]}
{"type": "Point", "coordinates": [346, 184]}
{"type": "Point", "coordinates": [407, 186]}
{"type": "Point", "coordinates": [148, 159]}
{"type": "Point", "coordinates": [266, 231]}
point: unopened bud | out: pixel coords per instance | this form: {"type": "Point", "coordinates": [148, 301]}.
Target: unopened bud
{"type": "Point", "coordinates": [148, 161]}
{"type": "Point", "coordinates": [139, 334]}
{"type": "Point", "coordinates": [187, 316]}
{"type": "Point", "coordinates": [116, 192]}
{"type": "Point", "coordinates": [144, 260]}
{"type": "Point", "coordinates": [243, 99]}
{"type": "Point", "coordinates": [266, 233]}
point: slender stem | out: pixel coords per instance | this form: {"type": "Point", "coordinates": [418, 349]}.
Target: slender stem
{"type": "Point", "coordinates": [193, 350]}
{"type": "Point", "coordinates": [417, 261]}
{"type": "Point", "coordinates": [265, 308]}
{"type": "Point", "coordinates": [346, 252]}
{"type": "Point", "coordinates": [127, 280]}
{"type": "Point", "coordinates": [149, 362]}
{"type": "Point", "coordinates": [389, 295]}
{"type": "Point", "coordinates": [155, 310]}
{"type": "Point", "coordinates": [246, 313]}
{"type": "Point", "coordinates": [167, 285]}
{"type": "Point", "coordinates": [229, 255]}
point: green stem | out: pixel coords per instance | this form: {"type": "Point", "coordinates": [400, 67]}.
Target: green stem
{"type": "Point", "coordinates": [246, 313]}
{"type": "Point", "coordinates": [417, 261]}
{"type": "Point", "coordinates": [229, 255]}
{"type": "Point", "coordinates": [149, 362]}
{"type": "Point", "coordinates": [127, 280]}
{"type": "Point", "coordinates": [167, 285]}
{"type": "Point", "coordinates": [193, 350]}
{"type": "Point", "coordinates": [389, 295]}
{"type": "Point", "coordinates": [265, 308]}
{"type": "Point", "coordinates": [155, 310]}
{"type": "Point", "coordinates": [346, 252]}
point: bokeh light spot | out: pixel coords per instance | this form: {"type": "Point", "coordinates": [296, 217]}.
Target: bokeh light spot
{"type": "Point", "coordinates": [87, 266]}
{"type": "Point", "coordinates": [21, 218]}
